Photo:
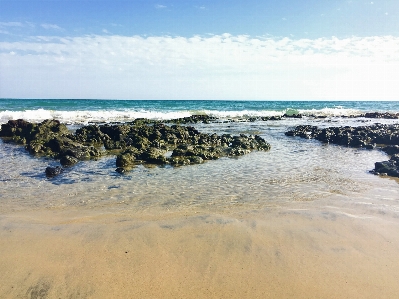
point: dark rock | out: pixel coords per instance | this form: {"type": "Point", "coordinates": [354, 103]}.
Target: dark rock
{"type": "Point", "coordinates": [153, 156]}
{"type": "Point", "coordinates": [395, 158]}
{"type": "Point", "coordinates": [391, 149]}
{"type": "Point", "coordinates": [389, 167]}
{"type": "Point", "coordinates": [198, 151]}
{"type": "Point", "coordinates": [195, 160]}
{"type": "Point", "coordinates": [206, 119]}
{"type": "Point", "coordinates": [142, 141]}
{"type": "Point", "coordinates": [292, 115]}
{"type": "Point", "coordinates": [127, 157]}
{"type": "Point", "coordinates": [275, 118]}
{"type": "Point", "coordinates": [68, 161]}
{"type": "Point", "coordinates": [350, 136]}
{"type": "Point", "coordinates": [122, 170]}
{"type": "Point", "coordinates": [179, 161]}
{"type": "Point", "coordinates": [115, 132]}
{"type": "Point", "coordinates": [110, 144]}
{"type": "Point", "coordinates": [36, 146]}
{"type": "Point", "coordinates": [53, 171]}
{"type": "Point", "coordinates": [364, 137]}
{"type": "Point", "coordinates": [21, 130]}
{"type": "Point", "coordinates": [385, 115]}
{"type": "Point", "coordinates": [91, 134]}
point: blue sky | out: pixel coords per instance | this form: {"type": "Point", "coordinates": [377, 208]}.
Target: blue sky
{"type": "Point", "coordinates": [306, 18]}
{"type": "Point", "coordinates": [344, 50]}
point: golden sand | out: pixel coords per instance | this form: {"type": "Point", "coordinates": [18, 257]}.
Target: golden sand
{"type": "Point", "coordinates": [274, 253]}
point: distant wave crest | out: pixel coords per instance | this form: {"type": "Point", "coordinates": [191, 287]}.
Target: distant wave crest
{"type": "Point", "coordinates": [84, 117]}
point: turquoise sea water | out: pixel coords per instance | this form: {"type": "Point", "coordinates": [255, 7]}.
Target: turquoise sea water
{"type": "Point", "coordinates": [171, 105]}
{"type": "Point", "coordinates": [81, 111]}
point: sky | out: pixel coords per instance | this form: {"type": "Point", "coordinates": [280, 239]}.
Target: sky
{"type": "Point", "coordinates": [192, 49]}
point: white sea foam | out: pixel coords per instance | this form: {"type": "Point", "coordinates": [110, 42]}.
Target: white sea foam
{"type": "Point", "coordinates": [84, 117]}
{"type": "Point", "coordinates": [244, 113]}
{"type": "Point", "coordinates": [337, 111]}
{"type": "Point", "coordinates": [328, 112]}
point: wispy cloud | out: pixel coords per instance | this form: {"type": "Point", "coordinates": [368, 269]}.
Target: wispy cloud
{"type": "Point", "coordinates": [51, 26]}
{"type": "Point", "coordinates": [219, 66]}
{"type": "Point", "coordinates": [160, 6]}
{"type": "Point", "coordinates": [11, 24]}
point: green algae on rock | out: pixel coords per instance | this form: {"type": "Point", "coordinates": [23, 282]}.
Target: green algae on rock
{"type": "Point", "coordinates": [384, 137]}
{"type": "Point", "coordinates": [140, 142]}
{"type": "Point", "coordinates": [48, 138]}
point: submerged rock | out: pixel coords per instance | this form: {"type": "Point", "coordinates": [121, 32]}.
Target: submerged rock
{"type": "Point", "coordinates": [390, 168]}
{"type": "Point", "coordinates": [53, 171]}
{"type": "Point", "coordinates": [49, 138]}
{"type": "Point", "coordinates": [384, 137]}
{"type": "Point", "coordinates": [122, 170]}
{"type": "Point", "coordinates": [140, 142]}
{"type": "Point", "coordinates": [68, 161]}
{"type": "Point", "coordinates": [350, 136]}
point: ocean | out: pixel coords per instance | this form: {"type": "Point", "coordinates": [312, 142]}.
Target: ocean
{"type": "Point", "coordinates": [306, 215]}
{"type": "Point", "coordinates": [84, 111]}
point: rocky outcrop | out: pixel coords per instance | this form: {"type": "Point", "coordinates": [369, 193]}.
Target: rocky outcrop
{"type": "Point", "coordinates": [384, 137]}
{"type": "Point", "coordinates": [362, 136]}
{"type": "Point", "coordinates": [385, 115]}
{"type": "Point", "coordinates": [150, 144]}
{"type": "Point", "coordinates": [48, 138]}
{"type": "Point", "coordinates": [138, 142]}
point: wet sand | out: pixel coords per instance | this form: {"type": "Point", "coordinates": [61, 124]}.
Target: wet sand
{"type": "Point", "coordinates": [304, 250]}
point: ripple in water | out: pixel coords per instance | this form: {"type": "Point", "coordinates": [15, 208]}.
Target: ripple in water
{"type": "Point", "coordinates": [294, 170]}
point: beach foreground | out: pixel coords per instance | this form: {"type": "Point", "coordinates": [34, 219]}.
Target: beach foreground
{"type": "Point", "coordinates": [322, 249]}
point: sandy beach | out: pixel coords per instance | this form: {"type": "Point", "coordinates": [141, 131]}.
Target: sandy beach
{"type": "Point", "coordinates": [306, 250]}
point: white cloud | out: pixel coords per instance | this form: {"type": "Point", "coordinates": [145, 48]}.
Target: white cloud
{"type": "Point", "coordinates": [160, 6]}
{"type": "Point", "coordinates": [51, 26]}
{"type": "Point", "coordinates": [212, 67]}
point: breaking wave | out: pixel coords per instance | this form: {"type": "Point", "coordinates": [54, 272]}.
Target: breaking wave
{"type": "Point", "coordinates": [101, 115]}
{"type": "Point", "coordinates": [84, 117]}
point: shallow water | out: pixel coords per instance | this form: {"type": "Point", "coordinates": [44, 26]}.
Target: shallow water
{"type": "Point", "coordinates": [293, 170]}
{"type": "Point", "coordinates": [302, 219]}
